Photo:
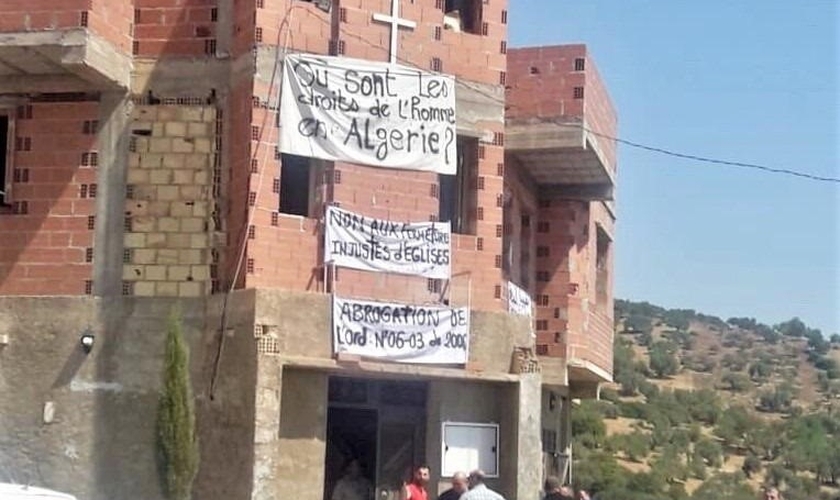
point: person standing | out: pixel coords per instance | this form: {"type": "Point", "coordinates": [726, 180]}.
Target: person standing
{"type": "Point", "coordinates": [459, 487]}
{"type": "Point", "coordinates": [479, 490]}
{"type": "Point", "coordinates": [354, 485]}
{"type": "Point", "coordinates": [416, 489]}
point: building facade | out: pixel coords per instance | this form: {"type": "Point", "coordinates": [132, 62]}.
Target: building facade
{"type": "Point", "coordinates": [145, 165]}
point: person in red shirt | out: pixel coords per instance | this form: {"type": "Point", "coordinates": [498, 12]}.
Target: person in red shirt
{"type": "Point", "coordinates": [416, 489]}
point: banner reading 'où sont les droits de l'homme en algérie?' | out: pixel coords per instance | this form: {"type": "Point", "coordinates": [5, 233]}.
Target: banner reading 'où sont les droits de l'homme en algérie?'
{"type": "Point", "coordinates": [369, 244]}
{"type": "Point", "coordinates": [371, 113]}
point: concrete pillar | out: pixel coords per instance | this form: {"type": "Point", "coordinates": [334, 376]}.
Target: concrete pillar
{"type": "Point", "coordinates": [267, 427]}
{"type": "Point", "coordinates": [112, 145]}
{"type": "Point", "coordinates": [529, 449]}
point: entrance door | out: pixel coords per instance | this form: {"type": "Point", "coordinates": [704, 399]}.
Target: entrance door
{"type": "Point", "coordinates": [351, 435]}
{"type": "Point", "coordinates": [397, 455]}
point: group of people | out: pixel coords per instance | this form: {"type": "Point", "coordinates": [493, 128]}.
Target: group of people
{"type": "Point", "coordinates": [355, 486]}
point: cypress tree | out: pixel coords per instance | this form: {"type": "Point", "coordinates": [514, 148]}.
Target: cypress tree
{"type": "Point", "coordinates": [177, 443]}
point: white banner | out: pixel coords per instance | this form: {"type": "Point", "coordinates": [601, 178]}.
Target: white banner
{"type": "Point", "coordinates": [519, 302]}
{"type": "Point", "coordinates": [400, 332]}
{"type": "Point", "coordinates": [359, 242]}
{"type": "Point", "coordinates": [377, 114]}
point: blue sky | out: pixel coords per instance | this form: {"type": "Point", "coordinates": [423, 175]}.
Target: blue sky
{"type": "Point", "coordinates": [749, 81]}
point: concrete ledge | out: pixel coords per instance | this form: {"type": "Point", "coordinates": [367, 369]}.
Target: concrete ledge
{"type": "Point", "coordinates": [56, 55]}
{"type": "Point", "coordinates": [391, 370]}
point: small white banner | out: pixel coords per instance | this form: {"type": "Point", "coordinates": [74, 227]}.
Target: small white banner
{"type": "Point", "coordinates": [359, 242]}
{"type": "Point", "coordinates": [400, 332]}
{"type": "Point", "coordinates": [519, 302]}
{"type": "Point", "coordinates": [371, 113]}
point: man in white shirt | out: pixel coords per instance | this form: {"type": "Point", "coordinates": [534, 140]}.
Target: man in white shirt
{"type": "Point", "coordinates": [479, 490]}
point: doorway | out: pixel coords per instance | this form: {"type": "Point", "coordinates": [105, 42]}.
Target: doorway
{"type": "Point", "coordinates": [380, 423]}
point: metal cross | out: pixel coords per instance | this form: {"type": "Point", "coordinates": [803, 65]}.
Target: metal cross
{"type": "Point", "coordinates": [396, 23]}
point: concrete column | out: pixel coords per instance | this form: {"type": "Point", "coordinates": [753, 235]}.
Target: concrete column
{"type": "Point", "coordinates": [112, 144]}
{"type": "Point", "coordinates": [529, 450]}
{"type": "Point", "coordinates": [267, 427]}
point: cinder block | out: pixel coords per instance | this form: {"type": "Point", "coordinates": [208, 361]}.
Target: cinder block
{"type": "Point", "coordinates": [167, 193]}
{"type": "Point", "coordinates": [167, 113]}
{"type": "Point", "coordinates": [197, 161]}
{"type": "Point", "coordinates": [200, 273]}
{"type": "Point", "coordinates": [160, 145]}
{"type": "Point", "coordinates": [183, 176]}
{"type": "Point", "coordinates": [198, 129]}
{"type": "Point", "coordinates": [199, 209]}
{"type": "Point", "coordinates": [144, 289]}
{"type": "Point", "coordinates": [209, 114]}
{"type": "Point", "coordinates": [144, 113]}
{"type": "Point", "coordinates": [190, 256]}
{"type": "Point", "coordinates": [155, 273]}
{"type": "Point", "coordinates": [155, 240]}
{"type": "Point", "coordinates": [159, 208]}
{"type": "Point", "coordinates": [201, 177]}
{"type": "Point", "coordinates": [173, 161]}
{"type": "Point", "coordinates": [133, 273]}
{"type": "Point", "coordinates": [178, 240]}
{"type": "Point", "coordinates": [203, 145]}
{"type": "Point", "coordinates": [143, 256]}
{"type": "Point", "coordinates": [192, 193]}
{"type": "Point", "coordinates": [168, 256]}
{"type": "Point", "coordinates": [169, 224]}
{"type": "Point", "coordinates": [151, 160]}
{"type": "Point", "coordinates": [192, 225]}
{"type": "Point", "coordinates": [175, 129]}
{"type": "Point", "coordinates": [134, 160]}
{"type": "Point", "coordinates": [166, 289]}
{"type": "Point", "coordinates": [199, 240]}
{"type": "Point", "coordinates": [191, 289]}
{"type": "Point", "coordinates": [190, 114]}
{"type": "Point", "coordinates": [160, 176]}
{"type": "Point", "coordinates": [143, 224]}
{"type": "Point", "coordinates": [181, 145]}
{"type": "Point", "coordinates": [177, 273]}
{"type": "Point", "coordinates": [182, 208]}
{"type": "Point", "coordinates": [158, 130]}
{"type": "Point", "coordinates": [137, 176]}
{"type": "Point", "coordinates": [134, 240]}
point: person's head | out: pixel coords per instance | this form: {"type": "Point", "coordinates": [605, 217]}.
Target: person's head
{"type": "Point", "coordinates": [772, 493]}
{"type": "Point", "coordinates": [475, 478]}
{"type": "Point", "coordinates": [459, 482]}
{"type": "Point", "coordinates": [354, 468]}
{"type": "Point", "coordinates": [552, 484]}
{"type": "Point", "coordinates": [566, 493]}
{"type": "Point", "coordinates": [421, 475]}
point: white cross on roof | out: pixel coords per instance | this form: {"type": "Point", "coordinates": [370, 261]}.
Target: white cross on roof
{"type": "Point", "coordinates": [396, 23]}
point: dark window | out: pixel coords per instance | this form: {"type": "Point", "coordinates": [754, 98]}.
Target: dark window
{"type": "Point", "coordinates": [468, 14]}
{"type": "Point", "coordinates": [580, 64]}
{"type": "Point", "coordinates": [5, 159]}
{"type": "Point", "coordinates": [297, 184]}
{"type": "Point", "coordinates": [602, 267]}
{"type": "Point", "coordinates": [457, 192]}
{"type": "Point", "coordinates": [578, 92]}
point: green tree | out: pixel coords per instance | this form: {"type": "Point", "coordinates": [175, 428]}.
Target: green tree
{"type": "Point", "coordinates": [710, 452]}
{"type": "Point", "coordinates": [736, 382]}
{"type": "Point", "coordinates": [728, 486]}
{"type": "Point", "coordinates": [752, 465]}
{"type": "Point", "coordinates": [663, 359]}
{"type": "Point", "coordinates": [177, 442]}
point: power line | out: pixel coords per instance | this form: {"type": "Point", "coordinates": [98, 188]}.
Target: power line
{"type": "Point", "coordinates": [495, 99]}
{"type": "Point", "coordinates": [714, 161]}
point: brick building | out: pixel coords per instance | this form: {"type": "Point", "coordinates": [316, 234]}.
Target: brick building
{"type": "Point", "coordinates": [143, 167]}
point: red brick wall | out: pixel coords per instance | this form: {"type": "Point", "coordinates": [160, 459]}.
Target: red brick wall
{"type": "Point", "coordinates": [286, 250]}
{"type": "Point", "coordinates": [112, 20]}
{"type": "Point", "coordinates": [570, 321]}
{"type": "Point", "coordinates": [478, 58]}
{"type": "Point", "coordinates": [37, 15]}
{"type": "Point", "coordinates": [46, 238]}
{"type": "Point", "coordinates": [175, 27]}
{"type": "Point", "coordinates": [542, 82]}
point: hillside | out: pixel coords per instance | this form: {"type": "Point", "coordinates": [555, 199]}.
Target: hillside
{"type": "Point", "coordinates": [703, 408]}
